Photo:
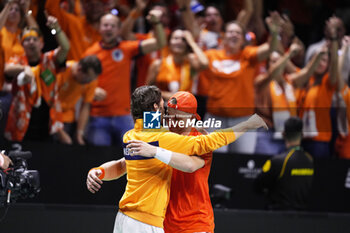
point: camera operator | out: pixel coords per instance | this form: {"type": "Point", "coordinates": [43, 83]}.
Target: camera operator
{"type": "Point", "coordinates": [287, 178]}
{"type": "Point", "coordinates": [5, 161]}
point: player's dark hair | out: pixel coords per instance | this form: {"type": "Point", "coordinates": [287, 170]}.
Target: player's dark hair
{"type": "Point", "coordinates": [143, 100]}
{"type": "Point", "coordinates": [91, 62]}
{"type": "Point", "coordinates": [293, 128]}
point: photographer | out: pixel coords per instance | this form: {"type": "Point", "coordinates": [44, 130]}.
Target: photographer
{"type": "Point", "coordinates": [5, 161]}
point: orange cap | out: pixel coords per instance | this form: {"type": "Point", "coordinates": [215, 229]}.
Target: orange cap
{"type": "Point", "coordinates": [185, 102]}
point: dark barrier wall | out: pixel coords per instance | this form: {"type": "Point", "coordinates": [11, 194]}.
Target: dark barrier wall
{"type": "Point", "coordinates": [63, 171]}
{"type": "Point", "coordinates": [48, 218]}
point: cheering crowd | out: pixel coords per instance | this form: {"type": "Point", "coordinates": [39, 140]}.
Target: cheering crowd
{"type": "Point", "coordinates": [79, 91]}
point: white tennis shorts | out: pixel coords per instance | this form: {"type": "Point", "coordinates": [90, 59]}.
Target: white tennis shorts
{"type": "Point", "coordinates": [125, 224]}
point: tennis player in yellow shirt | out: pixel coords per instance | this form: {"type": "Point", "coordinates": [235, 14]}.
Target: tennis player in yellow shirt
{"type": "Point", "coordinates": [143, 205]}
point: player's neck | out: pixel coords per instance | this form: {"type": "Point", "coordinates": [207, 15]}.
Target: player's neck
{"type": "Point", "coordinates": [292, 144]}
{"type": "Point", "coordinates": [109, 45]}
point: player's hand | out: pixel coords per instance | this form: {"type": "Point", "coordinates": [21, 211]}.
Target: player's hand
{"type": "Point", "coordinates": [52, 22]}
{"type": "Point", "coordinates": [93, 183]}
{"type": "Point", "coordinates": [7, 161]}
{"type": "Point", "coordinates": [137, 147]}
{"type": "Point", "coordinates": [274, 22]}
{"type": "Point", "coordinates": [188, 37]}
{"type": "Point", "coordinates": [64, 137]}
{"type": "Point", "coordinates": [295, 47]}
{"type": "Point", "coordinates": [141, 5]}
{"type": "Point", "coordinates": [25, 5]}
{"type": "Point", "coordinates": [256, 122]}
{"type": "Point", "coordinates": [80, 137]}
{"type": "Point", "coordinates": [100, 94]}
{"type": "Point", "coordinates": [154, 16]}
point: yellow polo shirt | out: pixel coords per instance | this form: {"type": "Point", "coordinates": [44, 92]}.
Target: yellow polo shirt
{"type": "Point", "coordinates": [148, 180]}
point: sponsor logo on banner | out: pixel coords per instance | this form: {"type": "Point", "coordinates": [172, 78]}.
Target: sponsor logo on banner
{"type": "Point", "coordinates": [250, 171]}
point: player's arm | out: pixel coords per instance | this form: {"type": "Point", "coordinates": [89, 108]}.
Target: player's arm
{"type": "Point", "coordinates": [188, 18]}
{"type": "Point", "coordinates": [108, 171]}
{"type": "Point", "coordinates": [152, 72]}
{"type": "Point", "coordinates": [198, 145]}
{"type": "Point", "coordinates": [128, 24]}
{"type": "Point", "coordinates": [342, 61]}
{"type": "Point", "coordinates": [22, 74]}
{"type": "Point", "coordinates": [31, 22]}
{"type": "Point", "coordinates": [333, 65]}
{"type": "Point", "coordinates": [276, 71]}
{"type": "Point", "coordinates": [82, 122]}
{"type": "Point", "coordinates": [299, 79]}
{"type": "Point", "coordinates": [198, 60]}
{"type": "Point", "coordinates": [61, 39]}
{"type": "Point", "coordinates": [4, 14]}
{"type": "Point", "coordinates": [265, 49]}
{"type": "Point", "coordinates": [153, 44]}
{"type": "Point", "coordinates": [176, 160]}
{"type": "Point", "coordinates": [246, 13]}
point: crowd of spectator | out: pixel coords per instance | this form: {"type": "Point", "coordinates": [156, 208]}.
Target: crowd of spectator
{"type": "Point", "coordinates": [68, 68]}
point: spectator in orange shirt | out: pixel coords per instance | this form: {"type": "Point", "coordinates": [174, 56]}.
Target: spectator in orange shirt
{"type": "Point", "coordinates": [210, 37]}
{"type": "Point", "coordinates": [35, 104]}
{"type": "Point", "coordinates": [231, 73]}
{"type": "Point", "coordinates": [77, 82]}
{"type": "Point", "coordinates": [13, 17]}
{"type": "Point", "coordinates": [177, 71]}
{"type": "Point", "coordinates": [81, 31]}
{"type": "Point", "coordinates": [110, 117]}
{"type": "Point", "coordinates": [317, 100]}
{"type": "Point", "coordinates": [276, 96]}
{"type": "Point", "coordinates": [275, 101]}
{"type": "Point", "coordinates": [18, 15]}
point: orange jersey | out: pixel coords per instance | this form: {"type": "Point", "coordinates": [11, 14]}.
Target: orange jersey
{"type": "Point", "coordinates": [207, 40]}
{"type": "Point", "coordinates": [27, 96]}
{"type": "Point", "coordinates": [45, 85]}
{"type": "Point", "coordinates": [11, 43]}
{"type": "Point", "coordinates": [316, 110]}
{"type": "Point", "coordinates": [231, 92]}
{"type": "Point", "coordinates": [148, 180]}
{"type": "Point", "coordinates": [170, 73]}
{"type": "Point", "coordinates": [71, 91]}
{"type": "Point", "coordinates": [189, 209]}
{"type": "Point", "coordinates": [276, 103]}
{"type": "Point", "coordinates": [81, 34]}
{"type": "Point", "coordinates": [115, 77]}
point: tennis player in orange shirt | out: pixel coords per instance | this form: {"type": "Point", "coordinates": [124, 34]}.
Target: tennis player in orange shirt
{"type": "Point", "coordinates": [189, 189]}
